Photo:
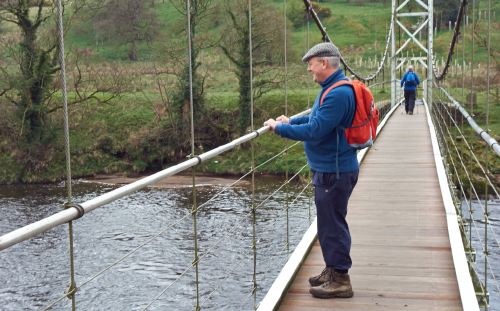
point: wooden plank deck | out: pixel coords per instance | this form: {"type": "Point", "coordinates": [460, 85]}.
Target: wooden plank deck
{"type": "Point", "coordinates": [400, 247]}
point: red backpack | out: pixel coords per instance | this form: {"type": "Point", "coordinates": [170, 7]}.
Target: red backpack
{"type": "Point", "coordinates": [363, 130]}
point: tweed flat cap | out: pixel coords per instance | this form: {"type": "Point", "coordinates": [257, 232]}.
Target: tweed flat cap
{"type": "Point", "coordinates": [324, 49]}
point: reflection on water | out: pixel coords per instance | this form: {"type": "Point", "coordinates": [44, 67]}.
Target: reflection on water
{"type": "Point", "coordinates": [478, 238]}
{"type": "Point", "coordinates": [36, 272]}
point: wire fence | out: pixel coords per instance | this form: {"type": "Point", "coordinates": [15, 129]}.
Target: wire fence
{"type": "Point", "coordinates": [468, 163]}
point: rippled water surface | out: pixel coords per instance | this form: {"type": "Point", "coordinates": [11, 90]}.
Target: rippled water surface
{"type": "Point", "coordinates": [478, 237]}
{"type": "Point", "coordinates": [35, 273]}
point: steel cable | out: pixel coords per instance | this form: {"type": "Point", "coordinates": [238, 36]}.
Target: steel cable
{"type": "Point", "coordinates": [466, 172]}
{"type": "Point", "coordinates": [93, 277]}
{"type": "Point", "coordinates": [193, 174]}
{"type": "Point", "coordinates": [254, 231]}
{"type": "Point", "coordinates": [70, 293]}
{"type": "Point", "coordinates": [219, 286]}
{"type": "Point", "coordinates": [228, 233]}
{"type": "Point", "coordinates": [456, 32]}
{"type": "Point", "coordinates": [469, 147]}
{"type": "Point", "coordinates": [322, 29]}
{"type": "Point", "coordinates": [473, 221]}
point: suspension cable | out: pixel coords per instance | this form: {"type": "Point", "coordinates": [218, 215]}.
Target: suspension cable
{"type": "Point", "coordinates": [469, 147]}
{"type": "Point", "coordinates": [473, 30]}
{"type": "Point", "coordinates": [253, 209]}
{"type": "Point", "coordinates": [326, 38]}
{"type": "Point", "coordinates": [308, 102]}
{"type": "Point", "coordinates": [72, 286]}
{"type": "Point", "coordinates": [229, 233]}
{"type": "Point", "coordinates": [63, 217]}
{"type": "Point", "coordinates": [161, 232]}
{"type": "Point", "coordinates": [492, 143]}
{"type": "Point", "coordinates": [441, 75]}
{"type": "Point", "coordinates": [486, 216]}
{"type": "Point", "coordinates": [473, 224]}
{"type": "Point", "coordinates": [463, 52]}
{"type": "Point", "coordinates": [287, 241]}
{"type": "Point", "coordinates": [473, 221]}
{"type": "Point", "coordinates": [193, 174]}
{"type": "Point", "coordinates": [228, 275]}
{"type": "Point", "coordinates": [469, 177]}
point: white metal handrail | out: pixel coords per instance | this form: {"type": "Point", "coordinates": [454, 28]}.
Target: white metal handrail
{"type": "Point", "coordinates": [72, 213]}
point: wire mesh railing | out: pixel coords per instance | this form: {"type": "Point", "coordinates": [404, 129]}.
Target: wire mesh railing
{"type": "Point", "coordinates": [470, 153]}
{"type": "Point", "coordinates": [206, 251]}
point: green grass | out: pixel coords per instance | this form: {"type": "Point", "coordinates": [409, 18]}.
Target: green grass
{"type": "Point", "coordinates": [104, 136]}
{"type": "Point", "coordinates": [480, 110]}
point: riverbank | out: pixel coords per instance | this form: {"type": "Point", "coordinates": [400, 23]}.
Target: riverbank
{"type": "Point", "coordinates": [172, 182]}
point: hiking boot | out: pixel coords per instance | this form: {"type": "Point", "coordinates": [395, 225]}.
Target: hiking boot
{"type": "Point", "coordinates": [323, 277]}
{"type": "Point", "coordinates": [338, 286]}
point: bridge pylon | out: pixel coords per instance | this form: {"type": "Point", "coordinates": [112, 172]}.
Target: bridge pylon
{"type": "Point", "coordinates": [414, 20]}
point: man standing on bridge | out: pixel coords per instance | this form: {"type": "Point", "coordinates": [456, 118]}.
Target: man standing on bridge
{"type": "Point", "coordinates": [333, 163]}
{"type": "Point", "coordinates": [410, 81]}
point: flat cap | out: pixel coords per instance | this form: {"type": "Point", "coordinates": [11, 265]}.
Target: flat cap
{"type": "Point", "coordinates": [325, 49]}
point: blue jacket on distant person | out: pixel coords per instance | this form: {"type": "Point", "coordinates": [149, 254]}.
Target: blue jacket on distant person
{"type": "Point", "coordinates": [410, 82]}
{"type": "Point", "coordinates": [322, 130]}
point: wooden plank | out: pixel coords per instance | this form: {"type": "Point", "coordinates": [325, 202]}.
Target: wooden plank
{"type": "Point", "coordinates": [401, 250]}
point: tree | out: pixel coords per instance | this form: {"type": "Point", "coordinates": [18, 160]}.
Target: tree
{"type": "Point", "coordinates": [198, 11]}
{"type": "Point", "coordinates": [445, 11]}
{"type": "Point", "coordinates": [37, 60]}
{"type": "Point", "coordinates": [30, 71]}
{"type": "Point", "coordinates": [297, 13]}
{"type": "Point", "coordinates": [267, 48]}
{"type": "Point", "coordinates": [129, 22]}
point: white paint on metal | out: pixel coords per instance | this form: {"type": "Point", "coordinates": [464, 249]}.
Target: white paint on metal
{"type": "Point", "coordinates": [62, 217]}
{"type": "Point", "coordinates": [423, 5]}
{"type": "Point", "coordinates": [465, 286]}
{"type": "Point", "coordinates": [394, 79]}
{"type": "Point", "coordinates": [412, 37]}
{"type": "Point", "coordinates": [415, 14]}
{"type": "Point", "coordinates": [430, 48]}
{"type": "Point", "coordinates": [482, 133]}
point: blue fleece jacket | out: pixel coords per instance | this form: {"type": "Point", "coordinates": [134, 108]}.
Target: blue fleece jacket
{"type": "Point", "coordinates": [322, 130]}
{"type": "Point", "coordinates": [410, 87]}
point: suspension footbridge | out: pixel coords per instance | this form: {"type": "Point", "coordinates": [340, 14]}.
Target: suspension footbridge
{"type": "Point", "coordinates": [412, 214]}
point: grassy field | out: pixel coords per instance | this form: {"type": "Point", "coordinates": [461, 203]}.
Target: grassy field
{"type": "Point", "coordinates": [359, 31]}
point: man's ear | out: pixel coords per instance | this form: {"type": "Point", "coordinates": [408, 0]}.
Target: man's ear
{"type": "Point", "coordinates": [324, 62]}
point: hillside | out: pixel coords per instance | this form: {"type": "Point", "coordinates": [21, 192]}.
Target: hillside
{"type": "Point", "coordinates": [130, 125]}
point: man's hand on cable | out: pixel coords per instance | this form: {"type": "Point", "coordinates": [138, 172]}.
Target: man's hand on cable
{"type": "Point", "coordinates": [272, 123]}
{"type": "Point", "coordinates": [283, 119]}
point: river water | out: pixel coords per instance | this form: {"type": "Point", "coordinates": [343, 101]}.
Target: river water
{"type": "Point", "coordinates": [36, 272]}
{"type": "Point", "coordinates": [477, 235]}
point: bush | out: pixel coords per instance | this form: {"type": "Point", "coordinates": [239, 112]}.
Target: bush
{"type": "Point", "coordinates": [298, 16]}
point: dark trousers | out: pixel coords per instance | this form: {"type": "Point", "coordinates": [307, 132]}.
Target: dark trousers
{"type": "Point", "coordinates": [331, 197]}
{"type": "Point", "coordinates": [410, 100]}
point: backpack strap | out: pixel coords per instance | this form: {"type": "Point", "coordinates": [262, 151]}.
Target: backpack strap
{"type": "Point", "coordinates": [336, 84]}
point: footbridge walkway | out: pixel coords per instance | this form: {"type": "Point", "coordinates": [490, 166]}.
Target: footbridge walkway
{"type": "Point", "coordinates": [401, 231]}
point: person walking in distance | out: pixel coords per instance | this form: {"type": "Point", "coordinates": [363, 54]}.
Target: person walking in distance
{"type": "Point", "coordinates": [333, 163]}
{"type": "Point", "coordinates": [410, 82]}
